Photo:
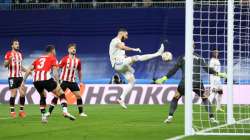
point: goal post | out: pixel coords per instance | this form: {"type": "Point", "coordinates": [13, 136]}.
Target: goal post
{"type": "Point", "coordinates": [188, 67]}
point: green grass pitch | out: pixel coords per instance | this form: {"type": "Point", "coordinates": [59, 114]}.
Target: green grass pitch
{"type": "Point", "coordinates": [104, 122]}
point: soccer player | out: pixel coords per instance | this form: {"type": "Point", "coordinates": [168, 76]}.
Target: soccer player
{"type": "Point", "coordinates": [13, 61]}
{"type": "Point", "coordinates": [123, 64]}
{"type": "Point", "coordinates": [42, 81]}
{"type": "Point", "coordinates": [70, 65]}
{"type": "Point", "coordinates": [198, 87]}
{"type": "Point", "coordinates": [215, 83]}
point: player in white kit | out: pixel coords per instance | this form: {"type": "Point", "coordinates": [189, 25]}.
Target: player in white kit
{"type": "Point", "coordinates": [216, 90]}
{"type": "Point", "coordinates": [122, 64]}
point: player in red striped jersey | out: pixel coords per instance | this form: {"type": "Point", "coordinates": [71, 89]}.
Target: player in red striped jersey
{"type": "Point", "coordinates": [13, 61]}
{"type": "Point", "coordinates": [70, 65]}
{"type": "Point", "coordinates": [43, 80]}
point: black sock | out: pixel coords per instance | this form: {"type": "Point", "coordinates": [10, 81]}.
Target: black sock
{"type": "Point", "coordinates": [22, 102]}
{"type": "Point", "coordinates": [12, 104]}
{"type": "Point", "coordinates": [79, 105]}
{"type": "Point", "coordinates": [208, 107]}
{"type": "Point", "coordinates": [43, 105]}
{"type": "Point", "coordinates": [173, 106]}
{"type": "Point", "coordinates": [63, 100]}
{"type": "Point", "coordinates": [53, 104]}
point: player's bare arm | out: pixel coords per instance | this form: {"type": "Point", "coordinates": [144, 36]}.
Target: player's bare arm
{"type": "Point", "coordinates": [23, 69]}
{"type": "Point", "coordinates": [28, 72]}
{"type": "Point", "coordinates": [126, 48]}
{"type": "Point", "coordinates": [55, 73]}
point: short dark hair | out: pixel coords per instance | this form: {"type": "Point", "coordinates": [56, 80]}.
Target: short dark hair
{"type": "Point", "coordinates": [122, 30]}
{"type": "Point", "coordinates": [49, 48]}
{"type": "Point", "coordinates": [71, 45]}
{"type": "Point", "coordinates": [13, 40]}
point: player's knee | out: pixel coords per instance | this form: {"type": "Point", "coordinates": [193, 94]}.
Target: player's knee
{"type": "Point", "coordinates": [175, 99]}
{"type": "Point", "coordinates": [131, 79]}
{"type": "Point", "coordinates": [13, 92]}
{"type": "Point", "coordinates": [78, 96]}
{"type": "Point", "coordinates": [177, 95]}
{"type": "Point", "coordinates": [135, 58]}
{"type": "Point", "coordinates": [22, 93]}
{"type": "Point", "coordinates": [58, 91]}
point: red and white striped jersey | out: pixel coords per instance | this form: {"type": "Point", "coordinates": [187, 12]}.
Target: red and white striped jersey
{"type": "Point", "coordinates": [69, 68]}
{"type": "Point", "coordinates": [15, 65]}
{"type": "Point", "coordinates": [43, 66]}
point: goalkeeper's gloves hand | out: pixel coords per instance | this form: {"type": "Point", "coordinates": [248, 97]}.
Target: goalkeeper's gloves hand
{"type": "Point", "coordinates": [222, 75]}
{"type": "Point", "coordinates": [137, 50]}
{"type": "Point", "coordinates": [161, 80]}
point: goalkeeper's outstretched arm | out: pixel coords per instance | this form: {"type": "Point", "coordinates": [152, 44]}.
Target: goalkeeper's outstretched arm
{"type": "Point", "coordinates": [171, 72]}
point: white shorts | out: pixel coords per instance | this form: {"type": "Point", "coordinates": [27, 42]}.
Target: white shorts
{"type": "Point", "coordinates": [216, 86]}
{"type": "Point", "coordinates": [124, 67]}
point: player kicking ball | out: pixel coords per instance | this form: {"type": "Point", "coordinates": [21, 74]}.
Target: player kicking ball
{"type": "Point", "coordinates": [215, 83]}
{"type": "Point", "coordinates": [70, 65]}
{"type": "Point", "coordinates": [123, 64]}
{"type": "Point", "coordinates": [198, 86]}
{"type": "Point", "coordinates": [42, 81]}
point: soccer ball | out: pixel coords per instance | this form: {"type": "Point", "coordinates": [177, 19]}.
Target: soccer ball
{"type": "Point", "coordinates": [167, 56]}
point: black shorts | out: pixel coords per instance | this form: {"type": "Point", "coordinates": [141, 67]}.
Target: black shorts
{"type": "Point", "coordinates": [73, 86]}
{"type": "Point", "coordinates": [198, 88]}
{"type": "Point", "coordinates": [49, 85]}
{"type": "Point", "coordinates": [15, 82]}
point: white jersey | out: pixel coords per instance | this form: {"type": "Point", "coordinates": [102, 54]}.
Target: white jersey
{"type": "Point", "coordinates": [116, 54]}
{"type": "Point", "coordinates": [215, 64]}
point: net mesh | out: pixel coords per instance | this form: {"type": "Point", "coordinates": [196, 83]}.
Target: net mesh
{"type": "Point", "coordinates": [210, 32]}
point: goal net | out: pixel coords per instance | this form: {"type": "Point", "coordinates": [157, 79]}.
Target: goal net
{"type": "Point", "coordinates": [221, 34]}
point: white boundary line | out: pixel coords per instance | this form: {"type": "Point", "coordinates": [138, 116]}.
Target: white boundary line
{"type": "Point", "coordinates": [217, 127]}
{"type": "Point", "coordinates": [177, 137]}
{"type": "Point", "coordinates": [6, 118]}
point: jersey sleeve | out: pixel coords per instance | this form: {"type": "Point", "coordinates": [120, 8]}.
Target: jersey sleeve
{"type": "Point", "coordinates": [7, 56]}
{"type": "Point", "coordinates": [62, 62]}
{"type": "Point", "coordinates": [54, 61]}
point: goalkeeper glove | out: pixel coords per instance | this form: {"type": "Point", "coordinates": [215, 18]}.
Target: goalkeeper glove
{"type": "Point", "coordinates": [161, 80]}
{"type": "Point", "coordinates": [222, 75]}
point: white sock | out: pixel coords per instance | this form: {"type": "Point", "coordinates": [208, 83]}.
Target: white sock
{"type": "Point", "coordinates": [146, 57]}
{"type": "Point", "coordinates": [65, 110]}
{"type": "Point", "coordinates": [218, 101]}
{"type": "Point", "coordinates": [211, 96]}
{"type": "Point", "coordinates": [127, 90]}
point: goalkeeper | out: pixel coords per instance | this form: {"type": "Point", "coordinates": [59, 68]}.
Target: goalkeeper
{"type": "Point", "coordinates": [198, 87]}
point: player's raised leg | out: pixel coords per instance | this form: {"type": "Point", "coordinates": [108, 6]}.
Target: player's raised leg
{"type": "Point", "coordinates": [59, 92]}
{"type": "Point", "coordinates": [147, 57]}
